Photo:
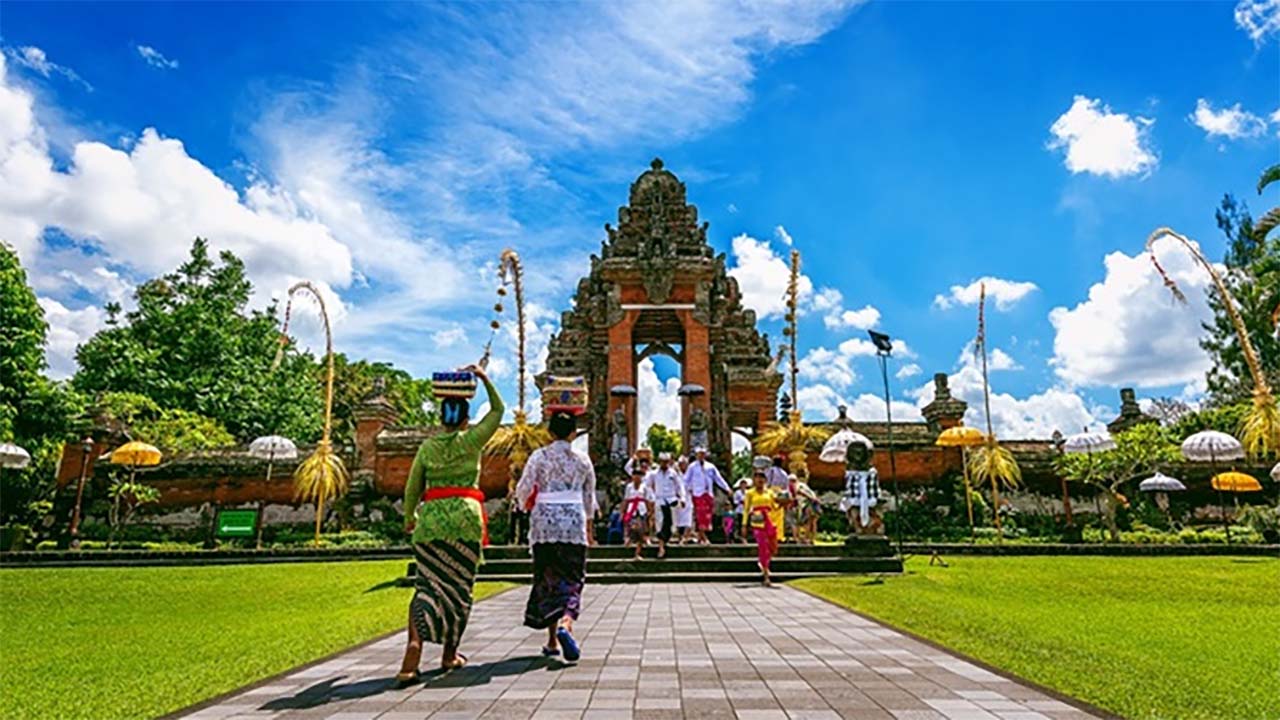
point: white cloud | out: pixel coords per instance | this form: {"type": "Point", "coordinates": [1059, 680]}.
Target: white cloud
{"type": "Point", "coordinates": [1232, 123]}
{"type": "Point", "coordinates": [154, 58]}
{"type": "Point", "coordinates": [657, 401]}
{"type": "Point", "coordinates": [1004, 293]}
{"type": "Point", "coordinates": [822, 402]}
{"type": "Point", "coordinates": [763, 275]}
{"type": "Point", "coordinates": [33, 58]}
{"type": "Point", "coordinates": [862, 347]}
{"type": "Point", "coordinates": [1130, 331]}
{"type": "Point", "coordinates": [784, 237]}
{"type": "Point", "coordinates": [1101, 142]}
{"type": "Point", "coordinates": [907, 371]}
{"type": "Point", "coordinates": [449, 337]}
{"type": "Point", "coordinates": [827, 366]}
{"type": "Point", "coordinates": [67, 330]}
{"type": "Point", "coordinates": [1013, 418]}
{"type": "Point", "coordinates": [864, 319]}
{"type": "Point", "coordinates": [1258, 18]}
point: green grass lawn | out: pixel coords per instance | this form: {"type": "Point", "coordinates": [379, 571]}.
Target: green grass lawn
{"type": "Point", "coordinates": [1167, 637]}
{"type": "Point", "coordinates": [140, 642]}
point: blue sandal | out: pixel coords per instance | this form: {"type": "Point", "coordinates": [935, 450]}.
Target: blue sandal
{"type": "Point", "coordinates": [569, 645]}
{"type": "Point", "coordinates": [550, 651]}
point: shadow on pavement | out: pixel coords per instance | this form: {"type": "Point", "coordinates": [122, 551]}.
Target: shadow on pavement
{"type": "Point", "coordinates": [330, 690]}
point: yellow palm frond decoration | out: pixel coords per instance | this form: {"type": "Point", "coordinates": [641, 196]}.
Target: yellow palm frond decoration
{"type": "Point", "coordinates": [322, 476]}
{"type": "Point", "coordinates": [991, 463]}
{"type": "Point", "coordinates": [1260, 431]}
{"type": "Point", "coordinates": [518, 440]}
{"type": "Point", "coordinates": [792, 437]}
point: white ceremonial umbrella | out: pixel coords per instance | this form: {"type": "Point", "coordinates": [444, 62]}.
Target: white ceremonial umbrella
{"type": "Point", "coordinates": [1212, 446]}
{"type": "Point", "coordinates": [13, 457]}
{"type": "Point", "coordinates": [837, 446]}
{"type": "Point", "coordinates": [690, 389]}
{"type": "Point", "coordinates": [1087, 443]}
{"type": "Point", "coordinates": [1161, 483]}
{"type": "Point", "coordinates": [1275, 472]}
{"type": "Point", "coordinates": [623, 391]}
{"type": "Point", "coordinates": [270, 448]}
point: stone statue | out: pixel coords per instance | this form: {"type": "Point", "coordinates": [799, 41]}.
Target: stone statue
{"type": "Point", "coordinates": [698, 427]}
{"type": "Point", "coordinates": [861, 491]}
{"type": "Point", "coordinates": [620, 443]}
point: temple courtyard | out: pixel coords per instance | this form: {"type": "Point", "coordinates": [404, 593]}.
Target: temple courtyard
{"type": "Point", "coordinates": [986, 637]}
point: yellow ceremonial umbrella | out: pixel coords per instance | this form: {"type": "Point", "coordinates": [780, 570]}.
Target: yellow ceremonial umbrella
{"type": "Point", "coordinates": [137, 454]}
{"type": "Point", "coordinates": [1232, 482]}
{"type": "Point", "coordinates": [1235, 482]}
{"type": "Point", "coordinates": [963, 437]}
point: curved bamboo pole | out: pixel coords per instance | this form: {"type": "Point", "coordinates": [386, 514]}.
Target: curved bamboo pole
{"type": "Point", "coordinates": [1261, 430]}
{"type": "Point", "coordinates": [981, 346]}
{"type": "Point", "coordinates": [793, 303]}
{"type": "Point", "coordinates": [323, 473]}
{"type": "Point", "coordinates": [512, 272]}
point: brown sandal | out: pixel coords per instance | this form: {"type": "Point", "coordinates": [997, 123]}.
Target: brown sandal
{"type": "Point", "coordinates": [459, 661]}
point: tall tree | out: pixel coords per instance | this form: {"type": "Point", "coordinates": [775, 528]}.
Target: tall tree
{"type": "Point", "coordinates": [192, 344]}
{"type": "Point", "coordinates": [1253, 277]}
{"type": "Point", "coordinates": [36, 413]}
{"type": "Point", "coordinates": [663, 439]}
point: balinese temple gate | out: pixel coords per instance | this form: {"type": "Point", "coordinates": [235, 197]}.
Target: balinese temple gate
{"type": "Point", "coordinates": [657, 287]}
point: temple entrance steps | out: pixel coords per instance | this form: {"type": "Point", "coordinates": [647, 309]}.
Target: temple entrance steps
{"type": "Point", "coordinates": [705, 563]}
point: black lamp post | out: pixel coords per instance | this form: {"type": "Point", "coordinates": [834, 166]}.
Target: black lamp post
{"type": "Point", "coordinates": [884, 349]}
{"type": "Point", "coordinates": [86, 447]}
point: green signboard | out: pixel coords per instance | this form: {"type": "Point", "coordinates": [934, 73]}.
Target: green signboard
{"type": "Point", "coordinates": [237, 523]}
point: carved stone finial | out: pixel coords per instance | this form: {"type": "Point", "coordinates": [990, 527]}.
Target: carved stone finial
{"type": "Point", "coordinates": [945, 411]}
{"type": "Point", "coordinates": [656, 164]}
{"type": "Point", "coordinates": [1130, 413]}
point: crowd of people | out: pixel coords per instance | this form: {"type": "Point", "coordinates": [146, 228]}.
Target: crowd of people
{"type": "Point", "coordinates": [555, 500]}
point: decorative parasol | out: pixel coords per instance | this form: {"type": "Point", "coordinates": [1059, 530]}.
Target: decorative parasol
{"type": "Point", "coordinates": [273, 447]}
{"type": "Point", "coordinates": [270, 448]}
{"type": "Point", "coordinates": [1161, 483]}
{"type": "Point", "coordinates": [13, 457]}
{"type": "Point", "coordinates": [837, 446]}
{"type": "Point", "coordinates": [691, 389]}
{"type": "Point", "coordinates": [1212, 446]}
{"type": "Point", "coordinates": [1235, 482]}
{"type": "Point", "coordinates": [623, 391]}
{"type": "Point", "coordinates": [1087, 443]}
{"type": "Point", "coordinates": [964, 438]}
{"type": "Point", "coordinates": [136, 454]}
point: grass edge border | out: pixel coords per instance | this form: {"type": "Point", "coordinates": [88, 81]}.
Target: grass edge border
{"type": "Point", "coordinates": [1074, 702]}
{"type": "Point", "coordinates": [211, 701]}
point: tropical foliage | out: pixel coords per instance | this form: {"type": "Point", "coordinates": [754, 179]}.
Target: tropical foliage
{"type": "Point", "coordinates": [173, 431]}
{"type": "Point", "coordinates": [126, 497]}
{"type": "Point", "coordinates": [663, 439]}
{"type": "Point", "coordinates": [1139, 452]}
{"type": "Point", "coordinates": [193, 344]}
{"type": "Point", "coordinates": [35, 412]}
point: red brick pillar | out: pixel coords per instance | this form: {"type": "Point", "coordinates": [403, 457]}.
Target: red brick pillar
{"type": "Point", "coordinates": [622, 371]}
{"type": "Point", "coordinates": [373, 414]}
{"type": "Point", "coordinates": [696, 367]}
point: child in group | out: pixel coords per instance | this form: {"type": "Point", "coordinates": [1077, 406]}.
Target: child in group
{"type": "Point", "coordinates": [764, 511]}
{"type": "Point", "coordinates": [637, 514]}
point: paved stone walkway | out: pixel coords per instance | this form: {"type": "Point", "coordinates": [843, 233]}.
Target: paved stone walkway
{"type": "Point", "coordinates": [663, 651]}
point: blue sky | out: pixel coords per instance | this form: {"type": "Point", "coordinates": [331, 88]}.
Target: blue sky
{"type": "Point", "coordinates": [907, 149]}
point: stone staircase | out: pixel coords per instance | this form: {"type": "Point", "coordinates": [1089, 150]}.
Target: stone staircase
{"type": "Point", "coordinates": [704, 563]}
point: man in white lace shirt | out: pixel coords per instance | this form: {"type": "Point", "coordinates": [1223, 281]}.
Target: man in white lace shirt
{"type": "Point", "coordinates": [668, 489]}
{"type": "Point", "coordinates": [701, 480]}
{"type": "Point", "coordinates": [560, 485]}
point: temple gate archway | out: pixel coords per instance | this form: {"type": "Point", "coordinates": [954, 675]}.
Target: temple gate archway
{"type": "Point", "coordinates": [656, 286]}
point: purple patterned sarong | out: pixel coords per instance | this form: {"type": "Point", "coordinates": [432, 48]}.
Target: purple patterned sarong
{"type": "Point", "coordinates": [559, 573]}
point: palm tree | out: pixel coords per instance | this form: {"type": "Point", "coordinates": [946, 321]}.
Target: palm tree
{"type": "Point", "coordinates": [518, 440]}
{"type": "Point", "coordinates": [792, 436]}
{"type": "Point", "coordinates": [991, 462]}
{"type": "Point", "coordinates": [322, 476]}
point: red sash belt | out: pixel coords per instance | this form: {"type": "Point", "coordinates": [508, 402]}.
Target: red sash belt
{"type": "Point", "coordinates": [632, 504]}
{"type": "Point", "coordinates": [444, 493]}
